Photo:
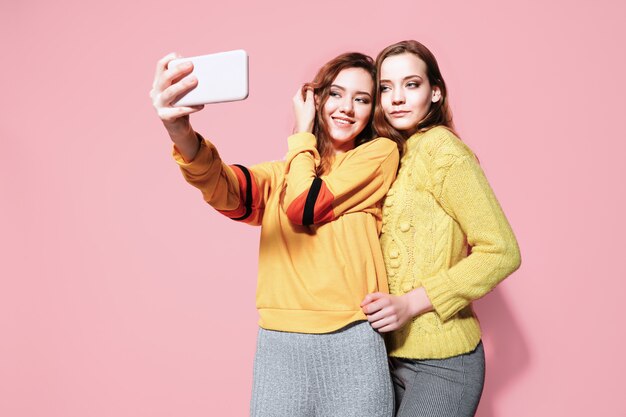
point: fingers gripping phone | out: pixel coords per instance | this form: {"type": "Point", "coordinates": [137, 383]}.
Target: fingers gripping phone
{"type": "Point", "coordinates": [221, 77]}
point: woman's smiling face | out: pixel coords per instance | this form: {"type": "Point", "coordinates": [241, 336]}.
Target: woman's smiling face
{"type": "Point", "coordinates": [348, 108]}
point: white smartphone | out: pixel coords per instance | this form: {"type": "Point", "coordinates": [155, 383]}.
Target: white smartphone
{"type": "Point", "coordinates": [221, 77]}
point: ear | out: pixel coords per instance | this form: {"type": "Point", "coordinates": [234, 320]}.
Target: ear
{"type": "Point", "coordinates": [436, 94]}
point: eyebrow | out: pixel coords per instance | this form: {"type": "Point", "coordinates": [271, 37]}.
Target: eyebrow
{"type": "Point", "coordinates": [405, 78]}
{"type": "Point", "coordinates": [343, 89]}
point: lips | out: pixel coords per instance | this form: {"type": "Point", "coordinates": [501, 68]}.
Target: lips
{"type": "Point", "coordinates": [399, 113]}
{"type": "Point", "coordinates": [342, 121]}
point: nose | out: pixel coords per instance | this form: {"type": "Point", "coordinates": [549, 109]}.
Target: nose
{"type": "Point", "coordinates": [347, 106]}
{"type": "Point", "coordinates": [398, 97]}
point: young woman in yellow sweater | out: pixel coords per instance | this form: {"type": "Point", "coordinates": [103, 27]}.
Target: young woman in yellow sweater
{"type": "Point", "coordinates": [320, 216]}
{"type": "Point", "coordinates": [445, 240]}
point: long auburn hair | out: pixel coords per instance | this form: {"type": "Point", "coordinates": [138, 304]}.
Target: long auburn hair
{"type": "Point", "coordinates": [439, 113]}
{"type": "Point", "coordinates": [321, 89]}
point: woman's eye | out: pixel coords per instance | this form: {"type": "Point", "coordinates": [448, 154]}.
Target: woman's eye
{"type": "Point", "coordinates": [384, 88]}
{"type": "Point", "coordinates": [363, 100]}
{"type": "Point", "coordinates": [412, 84]}
{"type": "Point", "coordinates": [334, 94]}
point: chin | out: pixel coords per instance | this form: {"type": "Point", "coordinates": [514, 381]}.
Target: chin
{"type": "Point", "coordinates": [404, 125]}
{"type": "Point", "coordinates": [342, 136]}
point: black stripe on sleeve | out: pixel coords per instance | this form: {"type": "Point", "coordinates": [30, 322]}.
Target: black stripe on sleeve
{"type": "Point", "coordinates": [248, 201]}
{"type": "Point", "coordinates": [309, 205]}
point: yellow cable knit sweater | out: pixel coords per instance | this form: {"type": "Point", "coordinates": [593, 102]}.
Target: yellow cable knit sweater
{"type": "Point", "coordinates": [444, 230]}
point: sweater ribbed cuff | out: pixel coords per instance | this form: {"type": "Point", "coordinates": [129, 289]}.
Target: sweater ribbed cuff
{"type": "Point", "coordinates": [442, 297]}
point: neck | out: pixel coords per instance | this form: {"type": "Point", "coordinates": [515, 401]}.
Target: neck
{"type": "Point", "coordinates": [342, 147]}
{"type": "Point", "coordinates": [410, 132]}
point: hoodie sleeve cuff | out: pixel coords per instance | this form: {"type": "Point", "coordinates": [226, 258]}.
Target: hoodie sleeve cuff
{"type": "Point", "coordinates": [203, 157]}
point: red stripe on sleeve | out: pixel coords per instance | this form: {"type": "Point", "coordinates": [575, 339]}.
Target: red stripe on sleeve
{"type": "Point", "coordinates": [322, 211]}
{"type": "Point", "coordinates": [296, 208]}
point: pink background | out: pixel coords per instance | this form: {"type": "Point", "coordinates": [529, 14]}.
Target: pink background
{"type": "Point", "coordinates": [123, 294]}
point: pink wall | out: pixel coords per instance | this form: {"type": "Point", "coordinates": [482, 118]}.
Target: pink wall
{"type": "Point", "coordinates": [122, 294]}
